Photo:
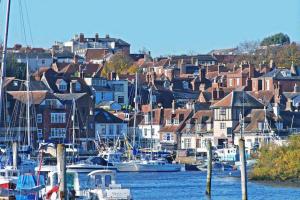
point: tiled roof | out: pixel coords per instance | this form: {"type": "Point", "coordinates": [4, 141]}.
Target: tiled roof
{"type": "Point", "coordinates": [69, 96]}
{"type": "Point", "coordinates": [36, 97]}
{"type": "Point", "coordinates": [238, 99]}
{"type": "Point", "coordinates": [105, 117]}
{"type": "Point", "coordinates": [95, 54]}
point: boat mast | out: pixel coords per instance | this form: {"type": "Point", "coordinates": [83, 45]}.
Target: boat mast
{"type": "Point", "coordinates": [28, 106]}
{"type": "Point", "coordinates": [73, 130]}
{"type": "Point", "coordinates": [151, 144]}
{"type": "Point", "coordinates": [3, 61]}
{"type": "Point", "coordinates": [135, 111]}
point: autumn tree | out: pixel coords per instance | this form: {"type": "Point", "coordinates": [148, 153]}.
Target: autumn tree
{"type": "Point", "coordinates": [119, 63]}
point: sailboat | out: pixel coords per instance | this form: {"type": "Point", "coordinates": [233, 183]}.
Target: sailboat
{"type": "Point", "coordinates": [12, 172]}
{"type": "Point", "coordinates": [151, 164]}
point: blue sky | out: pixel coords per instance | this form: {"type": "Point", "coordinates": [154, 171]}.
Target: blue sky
{"type": "Point", "coordinates": [162, 26]}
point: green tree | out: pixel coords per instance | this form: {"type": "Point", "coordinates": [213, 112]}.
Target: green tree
{"type": "Point", "coordinates": [15, 69]}
{"type": "Point", "coordinates": [278, 38]}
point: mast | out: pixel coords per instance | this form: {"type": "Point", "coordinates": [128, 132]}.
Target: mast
{"type": "Point", "coordinates": [151, 144]}
{"type": "Point", "coordinates": [135, 109]}
{"type": "Point", "coordinates": [3, 62]}
{"type": "Point", "coordinates": [73, 130]}
{"type": "Point", "coordinates": [28, 106]}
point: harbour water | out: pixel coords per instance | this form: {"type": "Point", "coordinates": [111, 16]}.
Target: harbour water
{"type": "Point", "coordinates": [191, 186]}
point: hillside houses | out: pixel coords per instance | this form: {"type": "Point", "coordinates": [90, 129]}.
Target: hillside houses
{"type": "Point", "coordinates": [194, 99]}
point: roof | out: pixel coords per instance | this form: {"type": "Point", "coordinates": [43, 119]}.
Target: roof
{"type": "Point", "coordinates": [95, 54]}
{"type": "Point", "coordinates": [257, 116]}
{"type": "Point", "coordinates": [280, 74]}
{"type": "Point", "coordinates": [238, 99]}
{"type": "Point", "coordinates": [36, 97]}
{"type": "Point", "coordinates": [69, 96]}
{"type": "Point", "coordinates": [105, 117]}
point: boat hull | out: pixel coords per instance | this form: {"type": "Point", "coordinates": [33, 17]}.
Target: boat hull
{"type": "Point", "coordinates": [147, 167]}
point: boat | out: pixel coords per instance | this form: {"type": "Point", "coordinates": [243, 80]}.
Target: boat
{"type": "Point", "coordinates": [96, 185]}
{"type": "Point", "coordinates": [148, 164]}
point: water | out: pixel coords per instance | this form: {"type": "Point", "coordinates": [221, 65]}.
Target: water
{"type": "Point", "coordinates": [191, 186]}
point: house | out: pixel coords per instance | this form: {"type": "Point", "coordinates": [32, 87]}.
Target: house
{"type": "Point", "coordinates": [80, 44]}
{"type": "Point", "coordinates": [260, 127]}
{"type": "Point", "coordinates": [148, 124]}
{"type": "Point", "coordinates": [174, 122]}
{"type": "Point", "coordinates": [35, 59]}
{"type": "Point", "coordinates": [228, 112]}
{"type": "Point", "coordinates": [109, 128]}
{"type": "Point", "coordinates": [197, 131]}
{"type": "Point", "coordinates": [282, 78]}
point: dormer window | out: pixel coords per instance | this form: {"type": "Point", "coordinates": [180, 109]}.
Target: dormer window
{"type": "Point", "coordinates": [61, 85]}
{"type": "Point", "coordinates": [185, 85]}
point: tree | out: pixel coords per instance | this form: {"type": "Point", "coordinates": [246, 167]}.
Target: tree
{"type": "Point", "coordinates": [119, 63]}
{"type": "Point", "coordinates": [248, 47]}
{"type": "Point", "coordinates": [15, 69]}
{"type": "Point", "coordinates": [276, 39]}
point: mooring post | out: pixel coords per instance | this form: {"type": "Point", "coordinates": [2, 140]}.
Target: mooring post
{"type": "Point", "coordinates": [209, 169]}
{"type": "Point", "coordinates": [61, 169]}
{"type": "Point", "coordinates": [15, 154]}
{"type": "Point", "coordinates": [243, 169]}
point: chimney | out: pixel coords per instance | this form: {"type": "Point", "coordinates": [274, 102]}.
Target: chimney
{"type": "Point", "coordinates": [113, 76]}
{"type": "Point", "coordinates": [173, 107]}
{"type": "Point", "coordinates": [96, 37]}
{"type": "Point", "coordinates": [219, 69]}
{"type": "Point", "coordinates": [278, 92]}
{"type": "Point", "coordinates": [251, 71]}
{"type": "Point", "coordinates": [81, 37]}
{"type": "Point", "coordinates": [202, 73]}
{"type": "Point", "coordinates": [107, 35]}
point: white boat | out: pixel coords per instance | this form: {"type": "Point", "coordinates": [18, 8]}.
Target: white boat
{"type": "Point", "coordinates": [97, 185]}
{"type": "Point", "coordinates": [8, 178]}
{"type": "Point", "coordinates": [148, 166]}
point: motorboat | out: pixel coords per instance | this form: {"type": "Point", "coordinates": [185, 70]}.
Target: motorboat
{"type": "Point", "coordinates": [96, 185]}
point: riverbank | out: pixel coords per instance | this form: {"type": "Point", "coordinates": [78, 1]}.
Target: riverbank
{"type": "Point", "coordinates": [279, 164]}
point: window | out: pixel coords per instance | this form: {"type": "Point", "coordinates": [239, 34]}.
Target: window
{"type": "Point", "coordinates": [223, 111]}
{"type": "Point", "coordinates": [120, 99]}
{"type": "Point", "coordinates": [62, 87]}
{"type": "Point", "coordinates": [260, 126]}
{"type": "Point", "coordinates": [168, 137]}
{"type": "Point", "coordinates": [39, 118]}
{"type": "Point", "coordinates": [237, 81]}
{"type": "Point", "coordinates": [77, 87]}
{"type": "Point", "coordinates": [230, 82]}
{"type": "Point", "coordinates": [268, 84]}
{"type": "Point", "coordinates": [169, 122]}
{"type": "Point", "coordinates": [40, 133]}
{"type": "Point", "coordinates": [43, 61]}
{"type": "Point", "coordinates": [185, 85]}
{"type": "Point", "coordinates": [145, 132]}
{"type": "Point", "coordinates": [187, 143]}
{"type": "Point", "coordinates": [222, 125]}
{"type": "Point", "coordinates": [58, 118]}
{"type": "Point", "coordinates": [176, 121]}
{"type": "Point", "coordinates": [58, 133]}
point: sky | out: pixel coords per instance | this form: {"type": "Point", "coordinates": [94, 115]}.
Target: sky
{"type": "Point", "coordinates": [164, 27]}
